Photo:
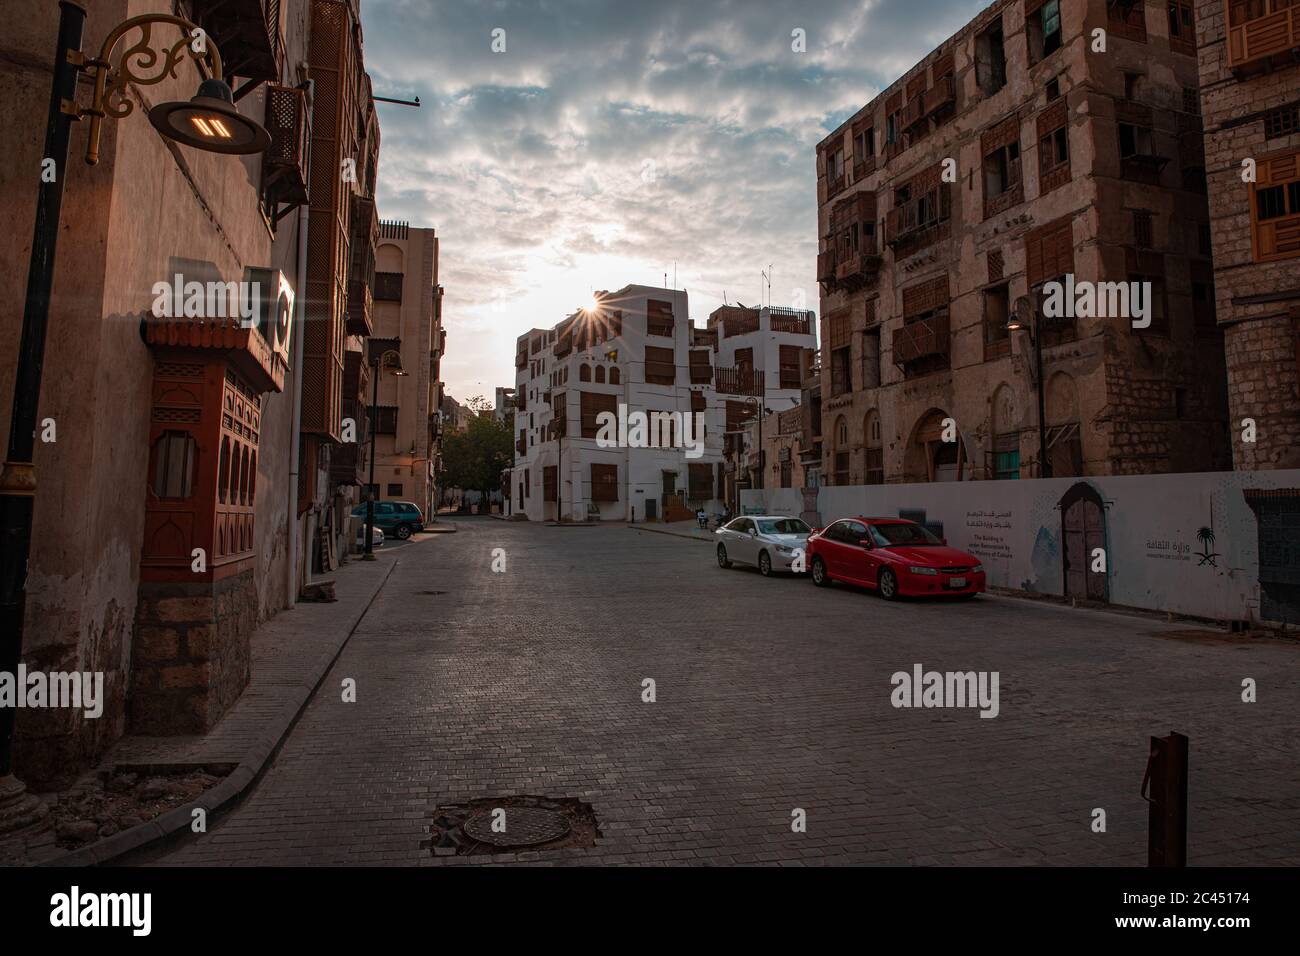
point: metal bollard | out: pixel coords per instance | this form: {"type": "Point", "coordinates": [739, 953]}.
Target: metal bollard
{"type": "Point", "coordinates": [1166, 779]}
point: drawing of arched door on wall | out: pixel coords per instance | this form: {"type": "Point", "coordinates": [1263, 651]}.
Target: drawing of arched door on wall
{"type": "Point", "coordinates": [1083, 531]}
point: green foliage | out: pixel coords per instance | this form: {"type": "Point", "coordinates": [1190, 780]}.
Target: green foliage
{"type": "Point", "coordinates": [474, 457]}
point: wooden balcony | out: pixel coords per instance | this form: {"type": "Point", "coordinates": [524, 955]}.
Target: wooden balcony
{"type": "Point", "coordinates": [289, 122]}
{"type": "Point", "coordinates": [737, 380]}
{"type": "Point", "coordinates": [921, 339]}
{"type": "Point", "coordinates": [249, 36]}
{"type": "Point", "coordinates": [521, 358]}
{"type": "Point", "coordinates": [915, 217]}
{"type": "Point", "coordinates": [826, 266]}
{"type": "Point", "coordinates": [942, 94]}
{"type": "Point", "coordinates": [864, 168]}
{"type": "Point", "coordinates": [1262, 42]}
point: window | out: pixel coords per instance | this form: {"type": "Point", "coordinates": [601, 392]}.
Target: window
{"type": "Point", "coordinates": [1182, 27]}
{"type": "Point", "coordinates": [871, 358]}
{"type": "Point", "coordinates": [1053, 89]}
{"type": "Point", "coordinates": [615, 376]}
{"type": "Point", "coordinates": [223, 471]}
{"type": "Point", "coordinates": [1282, 121]}
{"type": "Point", "coordinates": [997, 340]}
{"type": "Point", "coordinates": [1002, 178]}
{"type": "Point", "coordinates": [699, 481]}
{"type": "Point", "coordinates": [584, 372]}
{"type": "Point", "coordinates": [592, 404]}
{"type": "Point", "coordinates": [394, 490]}
{"type": "Point", "coordinates": [991, 59]}
{"type": "Point", "coordinates": [701, 369]}
{"type": "Point", "coordinates": [1043, 28]}
{"type": "Point", "coordinates": [1049, 256]}
{"type": "Point", "coordinates": [841, 468]}
{"type": "Point", "coordinates": [1191, 100]}
{"type": "Point", "coordinates": [834, 170]}
{"type": "Point", "coordinates": [600, 375]}
{"type": "Point", "coordinates": [841, 370]}
{"type": "Point", "coordinates": [1127, 18]}
{"type": "Point", "coordinates": [864, 144]}
{"type": "Point", "coordinates": [659, 318]}
{"type": "Point", "coordinates": [1131, 81]}
{"type": "Point", "coordinates": [1006, 464]}
{"type": "Point", "coordinates": [789, 366]}
{"type": "Point", "coordinates": [1142, 235]}
{"type": "Point", "coordinates": [173, 465]}
{"type": "Point", "coordinates": [787, 474]}
{"type": "Point", "coordinates": [659, 366]}
{"type": "Point", "coordinates": [1275, 210]}
{"type": "Point", "coordinates": [550, 482]}
{"type": "Point", "coordinates": [1053, 147]}
{"type": "Point", "coordinates": [604, 482]}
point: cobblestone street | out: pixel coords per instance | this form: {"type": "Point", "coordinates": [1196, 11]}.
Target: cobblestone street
{"type": "Point", "coordinates": [771, 695]}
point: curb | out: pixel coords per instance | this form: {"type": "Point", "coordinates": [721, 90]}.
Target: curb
{"type": "Point", "coordinates": [675, 534]}
{"type": "Point", "coordinates": [166, 826]}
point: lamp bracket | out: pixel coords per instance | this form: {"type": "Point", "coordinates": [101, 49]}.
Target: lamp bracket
{"type": "Point", "coordinates": [143, 64]}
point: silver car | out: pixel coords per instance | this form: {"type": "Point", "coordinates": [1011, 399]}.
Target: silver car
{"type": "Point", "coordinates": [768, 542]}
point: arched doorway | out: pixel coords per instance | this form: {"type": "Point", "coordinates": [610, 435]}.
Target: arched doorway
{"type": "Point", "coordinates": [929, 457]}
{"type": "Point", "coordinates": [1083, 532]}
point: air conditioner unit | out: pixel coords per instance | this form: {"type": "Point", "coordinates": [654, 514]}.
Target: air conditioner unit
{"type": "Point", "coordinates": [274, 309]}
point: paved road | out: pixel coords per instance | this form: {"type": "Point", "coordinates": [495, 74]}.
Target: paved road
{"type": "Point", "coordinates": [771, 695]}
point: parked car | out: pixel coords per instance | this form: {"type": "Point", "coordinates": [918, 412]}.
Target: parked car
{"type": "Point", "coordinates": [377, 541]}
{"type": "Point", "coordinates": [401, 518]}
{"type": "Point", "coordinates": [894, 557]}
{"type": "Point", "coordinates": [768, 542]}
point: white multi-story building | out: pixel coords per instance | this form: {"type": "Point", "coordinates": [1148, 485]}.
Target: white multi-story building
{"type": "Point", "coordinates": [635, 354]}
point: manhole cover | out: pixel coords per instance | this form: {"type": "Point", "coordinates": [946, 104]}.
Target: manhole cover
{"type": "Point", "coordinates": [518, 826]}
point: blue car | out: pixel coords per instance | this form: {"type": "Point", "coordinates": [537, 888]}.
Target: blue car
{"type": "Point", "coordinates": [400, 518]}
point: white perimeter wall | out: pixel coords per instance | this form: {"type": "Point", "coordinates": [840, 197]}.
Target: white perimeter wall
{"type": "Point", "coordinates": [1154, 556]}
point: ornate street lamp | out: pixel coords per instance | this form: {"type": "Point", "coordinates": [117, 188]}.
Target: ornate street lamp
{"type": "Point", "coordinates": [209, 122]}
{"type": "Point", "coordinates": [377, 363]}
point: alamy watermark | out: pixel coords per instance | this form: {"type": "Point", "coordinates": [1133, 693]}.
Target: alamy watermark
{"type": "Point", "coordinates": [654, 429]}
{"type": "Point", "coordinates": [207, 300]}
{"type": "Point", "coordinates": [1102, 300]}
{"type": "Point", "coordinates": [72, 689]}
{"type": "Point", "coordinates": [922, 688]}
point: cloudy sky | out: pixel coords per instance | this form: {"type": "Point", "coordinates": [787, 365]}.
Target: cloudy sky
{"type": "Point", "coordinates": [614, 141]}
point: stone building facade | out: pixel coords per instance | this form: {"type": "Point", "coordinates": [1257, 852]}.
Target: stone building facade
{"type": "Point", "coordinates": [408, 321]}
{"type": "Point", "coordinates": [1022, 152]}
{"type": "Point", "coordinates": [1250, 96]}
{"type": "Point", "coordinates": [168, 520]}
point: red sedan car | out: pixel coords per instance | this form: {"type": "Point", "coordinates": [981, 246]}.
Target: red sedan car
{"type": "Point", "coordinates": [893, 556]}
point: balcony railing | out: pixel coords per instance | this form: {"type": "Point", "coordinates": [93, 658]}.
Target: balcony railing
{"type": "Point", "coordinates": [915, 216]}
{"type": "Point", "coordinates": [740, 324]}
{"type": "Point", "coordinates": [737, 380]}
{"type": "Point", "coordinates": [796, 323]}
{"type": "Point", "coordinates": [921, 339]}
{"type": "Point", "coordinates": [1277, 31]}
{"type": "Point", "coordinates": [938, 96]}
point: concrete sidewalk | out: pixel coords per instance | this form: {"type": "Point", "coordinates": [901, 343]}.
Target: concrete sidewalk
{"type": "Point", "coordinates": [291, 654]}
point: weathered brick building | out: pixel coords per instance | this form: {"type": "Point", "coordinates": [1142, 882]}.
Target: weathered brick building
{"type": "Point", "coordinates": [1250, 94]}
{"type": "Point", "coordinates": [1027, 149]}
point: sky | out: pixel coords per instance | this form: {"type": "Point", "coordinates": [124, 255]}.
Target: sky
{"type": "Point", "coordinates": [612, 142]}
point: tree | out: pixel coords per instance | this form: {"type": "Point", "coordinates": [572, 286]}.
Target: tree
{"type": "Point", "coordinates": [474, 457]}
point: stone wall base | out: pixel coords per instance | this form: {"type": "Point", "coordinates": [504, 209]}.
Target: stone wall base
{"type": "Point", "coordinates": [190, 659]}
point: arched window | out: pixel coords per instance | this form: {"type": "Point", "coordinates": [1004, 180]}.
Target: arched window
{"type": "Point", "coordinates": [252, 478]}
{"type": "Point", "coordinates": [223, 471]}
{"type": "Point", "coordinates": [174, 455]}
{"type": "Point", "coordinates": [841, 460]}
{"type": "Point", "coordinates": [873, 455]}
{"type": "Point", "coordinates": [600, 375]}
{"type": "Point", "coordinates": [615, 377]}
{"type": "Point", "coordinates": [1004, 425]}
{"type": "Point", "coordinates": [584, 372]}
{"type": "Point", "coordinates": [243, 474]}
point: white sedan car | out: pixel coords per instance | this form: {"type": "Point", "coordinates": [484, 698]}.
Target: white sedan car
{"type": "Point", "coordinates": [768, 542]}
